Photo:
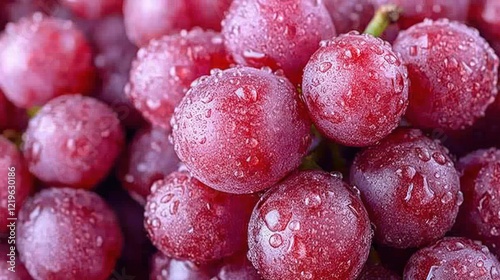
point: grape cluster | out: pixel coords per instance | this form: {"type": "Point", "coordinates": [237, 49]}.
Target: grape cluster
{"type": "Point", "coordinates": [249, 139]}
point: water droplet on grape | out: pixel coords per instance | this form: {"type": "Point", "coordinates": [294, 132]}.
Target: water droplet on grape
{"type": "Point", "coordinates": [275, 240]}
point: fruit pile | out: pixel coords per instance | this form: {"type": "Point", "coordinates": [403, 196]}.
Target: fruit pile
{"type": "Point", "coordinates": [249, 139]}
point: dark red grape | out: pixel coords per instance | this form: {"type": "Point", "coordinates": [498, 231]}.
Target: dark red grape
{"type": "Point", "coordinates": [12, 117]}
{"type": "Point", "coordinates": [208, 14]}
{"type": "Point", "coordinates": [73, 141]}
{"type": "Point", "coordinates": [166, 268]}
{"type": "Point", "coordinates": [241, 130]}
{"type": "Point", "coordinates": [188, 220]}
{"type": "Point", "coordinates": [150, 19]}
{"type": "Point", "coordinates": [310, 226]}
{"type": "Point", "coordinates": [16, 185]}
{"type": "Point", "coordinates": [479, 217]}
{"type": "Point", "coordinates": [348, 15]}
{"type": "Point", "coordinates": [149, 158]}
{"type": "Point", "coordinates": [18, 272]}
{"type": "Point", "coordinates": [485, 16]}
{"type": "Point", "coordinates": [43, 57]}
{"type": "Point", "coordinates": [453, 258]}
{"type": "Point", "coordinates": [356, 89]}
{"type": "Point", "coordinates": [164, 69]}
{"type": "Point", "coordinates": [114, 56]}
{"type": "Point", "coordinates": [93, 9]}
{"type": "Point", "coordinates": [377, 272]}
{"type": "Point", "coordinates": [277, 34]}
{"type": "Point", "coordinates": [68, 234]}
{"type": "Point", "coordinates": [415, 11]}
{"type": "Point", "coordinates": [410, 188]}
{"type": "Point", "coordinates": [237, 267]}
{"type": "Point", "coordinates": [453, 74]}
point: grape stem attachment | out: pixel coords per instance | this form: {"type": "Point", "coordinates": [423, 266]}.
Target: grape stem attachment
{"type": "Point", "coordinates": [384, 16]}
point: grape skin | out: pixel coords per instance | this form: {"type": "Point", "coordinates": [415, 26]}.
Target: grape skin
{"type": "Point", "coordinates": [356, 89]}
{"type": "Point", "coordinates": [66, 233]}
{"type": "Point", "coordinates": [241, 130]}
{"type": "Point", "coordinates": [93, 9]}
{"type": "Point", "coordinates": [453, 258]}
{"type": "Point", "coordinates": [410, 188]}
{"type": "Point", "coordinates": [186, 219]}
{"type": "Point", "coordinates": [73, 141]}
{"type": "Point", "coordinates": [453, 73]}
{"type": "Point", "coordinates": [52, 58]}
{"type": "Point", "coordinates": [310, 226]}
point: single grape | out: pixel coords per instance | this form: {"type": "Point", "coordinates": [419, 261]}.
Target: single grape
{"type": "Point", "coordinates": [186, 219]}
{"type": "Point", "coordinates": [310, 226]}
{"type": "Point", "coordinates": [241, 130]}
{"type": "Point", "coordinates": [277, 34]}
{"type": "Point", "coordinates": [453, 258]}
{"type": "Point", "coordinates": [356, 89]}
{"type": "Point", "coordinates": [453, 74]}
{"type": "Point", "coordinates": [349, 15]}
{"type": "Point", "coordinates": [166, 268]}
{"type": "Point", "coordinates": [410, 188]}
{"type": "Point", "coordinates": [42, 58]}
{"type": "Point", "coordinates": [479, 217]}
{"type": "Point", "coordinates": [485, 16]}
{"type": "Point", "coordinates": [16, 185]}
{"type": "Point", "coordinates": [237, 267]}
{"type": "Point", "coordinates": [415, 11]}
{"type": "Point", "coordinates": [150, 19]}
{"type": "Point", "coordinates": [377, 272]}
{"type": "Point", "coordinates": [149, 158]}
{"type": "Point", "coordinates": [68, 234]}
{"type": "Point", "coordinates": [164, 69]}
{"type": "Point", "coordinates": [113, 59]}
{"type": "Point", "coordinates": [93, 9]}
{"type": "Point", "coordinates": [73, 141]}
{"type": "Point", "coordinates": [19, 271]}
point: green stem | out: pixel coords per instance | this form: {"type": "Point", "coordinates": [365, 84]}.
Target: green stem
{"type": "Point", "coordinates": [33, 111]}
{"type": "Point", "coordinates": [384, 16]}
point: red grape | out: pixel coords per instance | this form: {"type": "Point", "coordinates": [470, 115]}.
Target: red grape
{"type": "Point", "coordinates": [43, 57]}
{"type": "Point", "coordinates": [310, 226]}
{"type": "Point", "coordinates": [453, 258]}
{"type": "Point", "coordinates": [208, 14]}
{"type": "Point", "coordinates": [166, 268]}
{"type": "Point", "coordinates": [19, 273]}
{"type": "Point", "coordinates": [479, 217]}
{"type": "Point", "coordinates": [94, 9]}
{"type": "Point", "coordinates": [356, 89]}
{"type": "Point", "coordinates": [241, 130]}
{"type": "Point", "coordinates": [73, 141]}
{"type": "Point", "coordinates": [415, 11]}
{"type": "Point", "coordinates": [278, 34]}
{"type": "Point", "coordinates": [16, 185]}
{"type": "Point", "coordinates": [485, 16]}
{"type": "Point", "coordinates": [164, 69]}
{"type": "Point", "coordinates": [149, 158]}
{"type": "Point", "coordinates": [377, 272]}
{"type": "Point", "coordinates": [113, 60]}
{"type": "Point", "coordinates": [188, 220]}
{"type": "Point", "coordinates": [348, 15]}
{"type": "Point", "coordinates": [68, 234]}
{"type": "Point", "coordinates": [453, 74]}
{"type": "Point", "coordinates": [410, 189]}
{"type": "Point", "coordinates": [237, 267]}
{"type": "Point", "coordinates": [150, 19]}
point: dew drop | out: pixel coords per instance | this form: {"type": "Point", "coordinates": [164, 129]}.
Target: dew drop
{"type": "Point", "coordinates": [166, 198]}
{"type": "Point", "coordinates": [174, 207]}
{"type": "Point", "coordinates": [294, 225]}
{"type": "Point", "coordinates": [325, 66]}
{"type": "Point", "coordinates": [275, 240]}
